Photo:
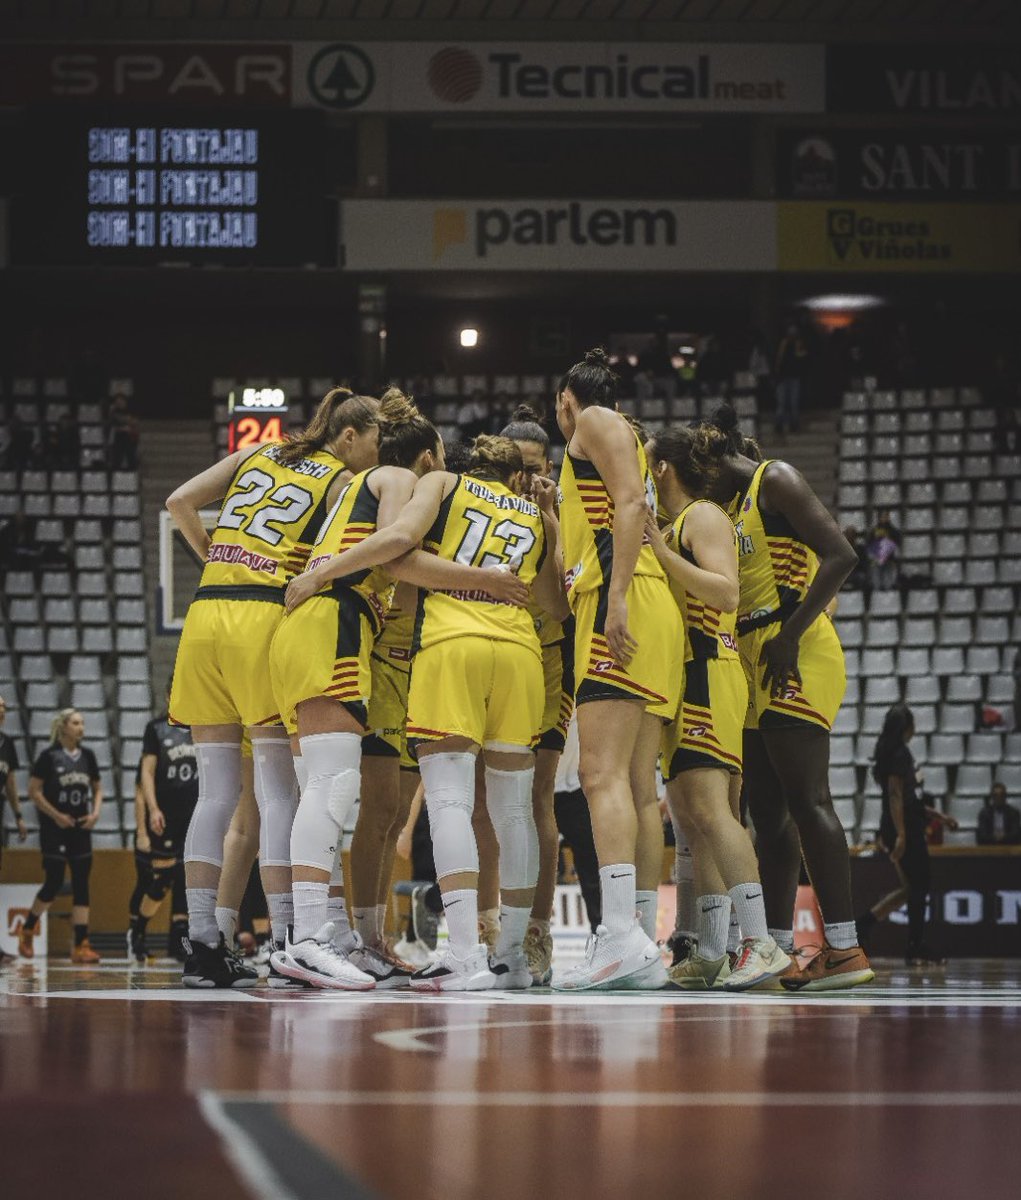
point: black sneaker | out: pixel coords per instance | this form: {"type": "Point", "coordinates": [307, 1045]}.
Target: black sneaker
{"type": "Point", "coordinates": [215, 967]}
{"type": "Point", "coordinates": [680, 947]}
{"type": "Point", "coordinates": [922, 956]}
{"type": "Point", "coordinates": [136, 944]}
{"type": "Point", "coordinates": [175, 941]}
{"type": "Point", "coordinates": [426, 922]}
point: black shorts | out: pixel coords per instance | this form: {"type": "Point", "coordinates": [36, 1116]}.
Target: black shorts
{"type": "Point", "coordinates": [63, 843]}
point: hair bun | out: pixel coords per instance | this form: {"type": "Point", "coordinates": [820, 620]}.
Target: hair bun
{"type": "Point", "coordinates": [525, 412]}
{"type": "Point", "coordinates": [395, 408]}
{"type": "Point", "coordinates": [597, 357]}
{"type": "Point", "coordinates": [725, 418]}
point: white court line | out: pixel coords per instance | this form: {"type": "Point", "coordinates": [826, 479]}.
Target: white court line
{"type": "Point", "coordinates": [480, 1099]}
{"type": "Point", "coordinates": [243, 1152]}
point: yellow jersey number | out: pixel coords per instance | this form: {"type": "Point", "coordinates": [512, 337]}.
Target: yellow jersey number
{"type": "Point", "coordinates": [517, 540]}
{"type": "Point", "coordinates": [289, 503]}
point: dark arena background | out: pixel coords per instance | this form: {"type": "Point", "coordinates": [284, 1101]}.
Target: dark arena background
{"type": "Point", "coordinates": [214, 212]}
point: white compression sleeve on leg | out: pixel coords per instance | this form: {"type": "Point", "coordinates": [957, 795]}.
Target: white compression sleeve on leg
{"type": "Point", "coordinates": [509, 799]}
{"type": "Point", "coordinates": [219, 766]}
{"type": "Point", "coordinates": [333, 761]}
{"type": "Point", "coordinates": [276, 794]}
{"type": "Point", "coordinates": [301, 773]}
{"type": "Point", "coordinates": [449, 782]}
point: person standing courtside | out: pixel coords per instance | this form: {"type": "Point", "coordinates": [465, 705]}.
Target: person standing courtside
{"type": "Point", "coordinates": [9, 791]}
{"type": "Point", "coordinates": [64, 786]}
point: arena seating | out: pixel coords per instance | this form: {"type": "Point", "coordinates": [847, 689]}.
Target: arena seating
{"type": "Point", "coordinates": [945, 640]}
{"type": "Point", "coordinates": [73, 626]}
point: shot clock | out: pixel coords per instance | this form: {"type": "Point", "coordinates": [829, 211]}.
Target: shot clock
{"type": "Point", "coordinates": [256, 415]}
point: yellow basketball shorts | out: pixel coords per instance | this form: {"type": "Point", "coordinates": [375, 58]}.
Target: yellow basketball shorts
{"type": "Point", "coordinates": [487, 690]}
{"type": "Point", "coordinates": [817, 699]}
{"type": "Point", "coordinates": [656, 673]}
{"type": "Point", "coordinates": [388, 706]}
{"type": "Point", "coordinates": [323, 649]}
{"type": "Point", "coordinates": [558, 677]}
{"type": "Point", "coordinates": [221, 676]}
{"type": "Point", "coordinates": [708, 729]}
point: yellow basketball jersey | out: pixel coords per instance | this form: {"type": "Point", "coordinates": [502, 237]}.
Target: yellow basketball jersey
{"type": "Point", "coordinates": [775, 566]}
{"type": "Point", "coordinates": [547, 629]}
{"type": "Point", "coordinates": [586, 525]}
{"type": "Point", "coordinates": [398, 632]}
{"type": "Point", "coordinates": [482, 524]}
{"type": "Point", "coordinates": [708, 633]}
{"type": "Point", "coordinates": [268, 522]}
{"type": "Point", "coordinates": [351, 520]}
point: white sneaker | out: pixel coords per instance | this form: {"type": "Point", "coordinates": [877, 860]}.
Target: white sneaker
{"type": "Point", "coordinates": [511, 971]}
{"type": "Point", "coordinates": [280, 982]}
{"type": "Point", "coordinates": [758, 959]}
{"type": "Point", "coordinates": [263, 954]}
{"type": "Point", "coordinates": [416, 954]}
{"type": "Point", "coordinates": [451, 973]}
{"type": "Point", "coordinates": [616, 961]}
{"type": "Point", "coordinates": [317, 961]}
{"type": "Point", "coordinates": [387, 970]}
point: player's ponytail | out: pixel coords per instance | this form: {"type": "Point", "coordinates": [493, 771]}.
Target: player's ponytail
{"type": "Point", "coordinates": [404, 433]}
{"type": "Point", "coordinates": [724, 419]}
{"type": "Point", "coordinates": [526, 426]}
{"type": "Point", "coordinates": [59, 722]}
{"type": "Point", "coordinates": [338, 410]}
{"type": "Point", "coordinates": [591, 381]}
{"type": "Point", "coordinates": [494, 458]}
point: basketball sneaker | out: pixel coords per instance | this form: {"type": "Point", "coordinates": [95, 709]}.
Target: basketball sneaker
{"type": "Point", "coordinates": [385, 967]}
{"type": "Point", "coordinates": [425, 922]}
{"type": "Point", "coordinates": [280, 982]}
{"type": "Point", "coordinates": [616, 961]}
{"type": "Point", "coordinates": [698, 974]}
{"type": "Point", "coordinates": [452, 973]}
{"type": "Point", "coordinates": [831, 970]}
{"type": "Point", "coordinates": [680, 946]}
{"type": "Point", "coordinates": [215, 967]}
{"type": "Point", "coordinates": [84, 955]}
{"type": "Point", "coordinates": [6, 959]}
{"type": "Point", "coordinates": [511, 970]}
{"type": "Point", "coordinates": [758, 960]}
{"type": "Point", "coordinates": [538, 949]}
{"type": "Point", "coordinates": [317, 961]}
{"type": "Point", "coordinates": [922, 956]}
{"type": "Point", "coordinates": [175, 940]}
{"type": "Point", "coordinates": [26, 938]}
{"type": "Point", "coordinates": [136, 945]}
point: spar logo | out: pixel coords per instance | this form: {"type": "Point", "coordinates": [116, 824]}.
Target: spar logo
{"type": "Point", "coordinates": [856, 237]}
{"type": "Point", "coordinates": [341, 76]}
{"type": "Point", "coordinates": [455, 75]}
{"type": "Point", "coordinates": [557, 225]}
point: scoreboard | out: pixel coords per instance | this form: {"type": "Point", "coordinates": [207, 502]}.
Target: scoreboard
{"type": "Point", "coordinates": [255, 416]}
{"type": "Point", "coordinates": [99, 188]}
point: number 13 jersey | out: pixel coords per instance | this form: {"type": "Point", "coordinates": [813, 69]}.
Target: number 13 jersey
{"type": "Point", "coordinates": [268, 521]}
{"type": "Point", "coordinates": [482, 524]}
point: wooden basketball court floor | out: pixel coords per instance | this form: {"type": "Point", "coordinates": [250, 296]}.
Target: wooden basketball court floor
{"type": "Point", "coordinates": [115, 1082]}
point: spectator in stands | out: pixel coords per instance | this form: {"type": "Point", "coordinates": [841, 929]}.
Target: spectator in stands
{"type": "Point", "coordinates": [884, 551]}
{"type": "Point", "coordinates": [791, 370]}
{"type": "Point", "coordinates": [68, 444]}
{"type": "Point", "coordinates": [759, 366]}
{"type": "Point", "coordinates": [712, 368]}
{"type": "Point", "coordinates": [473, 416]}
{"type": "Point", "coordinates": [999, 823]}
{"type": "Point", "coordinates": [18, 548]}
{"type": "Point", "coordinates": [656, 374]}
{"type": "Point", "coordinates": [858, 580]}
{"type": "Point", "coordinates": [902, 832]}
{"type": "Point", "coordinates": [1002, 391]}
{"type": "Point", "coordinates": [123, 435]}
{"type": "Point", "coordinates": [21, 448]}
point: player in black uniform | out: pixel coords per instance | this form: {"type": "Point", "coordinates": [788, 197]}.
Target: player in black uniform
{"type": "Point", "coordinates": [9, 791]}
{"type": "Point", "coordinates": [168, 777]}
{"type": "Point", "coordinates": [64, 786]}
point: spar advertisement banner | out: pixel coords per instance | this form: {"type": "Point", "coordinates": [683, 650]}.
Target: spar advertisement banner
{"type": "Point", "coordinates": [377, 77]}
{"type": "Point", "coordinates": [558, 235]}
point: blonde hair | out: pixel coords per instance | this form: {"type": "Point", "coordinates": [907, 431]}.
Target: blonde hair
{"type": "Point", "coordinates": [403, 432]}
{"type": "Point", "coordinates": [338, 410]}
{"type": "Point", "coordinates": [59, 722]}
{"type": "Point", "coordinates": [494, 457]}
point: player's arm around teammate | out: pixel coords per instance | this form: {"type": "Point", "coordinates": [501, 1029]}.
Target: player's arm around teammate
{"type": "Point", "coordinates": [702, 747]}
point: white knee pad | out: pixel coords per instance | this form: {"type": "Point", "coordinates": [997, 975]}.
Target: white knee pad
{"type": "Point", "coordinates": [219, 766]}
{"type": "Point", "coordinates": [332, 761]}
{"type": "Point", "coordinates": [509, 799]}
{"type": "Point", "coordinates": [276, 794]}
{"type": "Point", "coordinates": [449, 782]}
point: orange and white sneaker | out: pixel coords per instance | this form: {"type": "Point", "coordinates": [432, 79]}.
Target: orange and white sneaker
{"type": "Point", "coordinates": [84, 955]}
{"type": "Point", "coordinates": [26, 942]}
{"type": "Point", "coordinates": [831, 970]}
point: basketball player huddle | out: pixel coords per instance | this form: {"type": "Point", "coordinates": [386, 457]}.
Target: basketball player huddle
{"type": "Point", "coordinates": [366, 612]}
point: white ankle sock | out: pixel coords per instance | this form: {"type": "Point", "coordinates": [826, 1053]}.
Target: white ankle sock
{"type": "Point", "coordinates": [281, 914]}
{"type": "Point", "coordinates": [750, 909]}
{"type": "Point", "coordinates": [227, 923]}
{"type": "Point", "coordinates": [784, 938]}
{"type": "Point", "coordinates": [713, 921]}
{"type": "Point", "coordinates": [733, 933]}
{"type": "Point", "coordinates": [617, 885]}
{"type": "Point", "coordinates": [311, 909]}
{"type": "Point", "coordinates": [513, 924]}
{"type": "Point", "coordinates": [647, 904]}
{"type": "Point", "coordinates": [841, 936]}
{"type": "Point", "coordinates": [202, 925]}
{"type": "Point", "coordinates": [462, 911]}
{"type": "Point", "coordinates": [336, 911]}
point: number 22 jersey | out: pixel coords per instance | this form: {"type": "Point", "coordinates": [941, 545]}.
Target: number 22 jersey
{"type": "Point", "coordinates": [482, 524]}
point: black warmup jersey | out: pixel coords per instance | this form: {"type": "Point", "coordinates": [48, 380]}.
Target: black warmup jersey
{"type": "Point", "coordinates": [177, 782]}
{"type": "Point", "coordinates": [8, 762]}
{"type": "Point", "coordinates": [67, 784]}
{"type": "Point", "coordinates": [902, 764]}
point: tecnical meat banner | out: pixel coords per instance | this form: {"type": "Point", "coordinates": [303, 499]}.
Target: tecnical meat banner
{"type": "Point", "coordinates": [558, 235]}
